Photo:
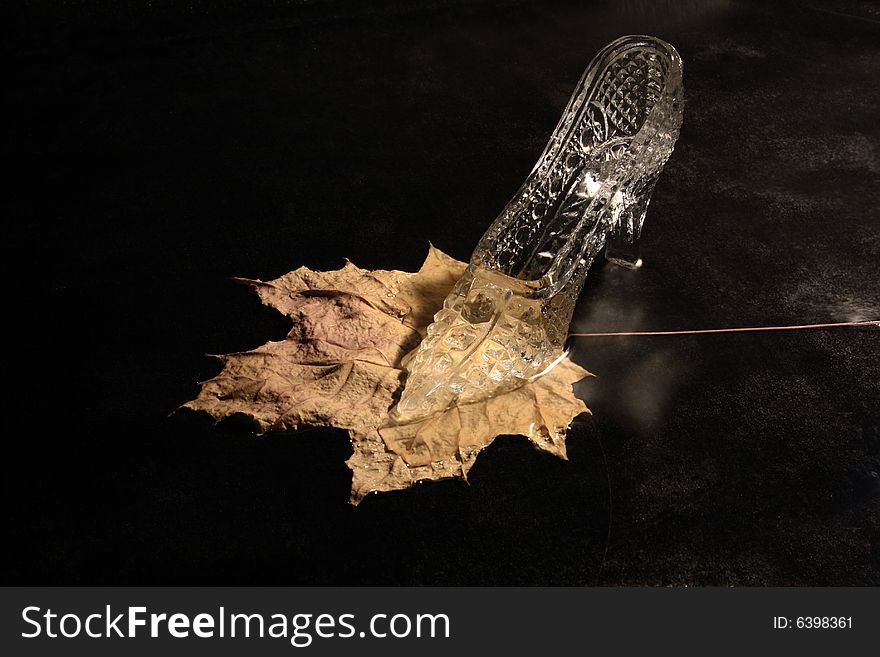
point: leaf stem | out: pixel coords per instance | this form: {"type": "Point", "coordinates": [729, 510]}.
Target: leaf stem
{"type": "Point", "coordinates": [725, 330]}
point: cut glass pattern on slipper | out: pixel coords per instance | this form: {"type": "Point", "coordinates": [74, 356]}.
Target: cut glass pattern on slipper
{"type": "Point", "coordinates": [506, 320]}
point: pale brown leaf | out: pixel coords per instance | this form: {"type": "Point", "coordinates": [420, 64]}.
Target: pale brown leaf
{"type": "Point", "coordinates": [411, 298]}
{"type": "Point", "coordinates": [340, 365]}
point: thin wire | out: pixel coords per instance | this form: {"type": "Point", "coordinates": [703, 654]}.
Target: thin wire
{"type": "Point", "coordinates": [727, 330]}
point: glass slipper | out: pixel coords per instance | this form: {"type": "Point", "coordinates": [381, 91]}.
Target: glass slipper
{"type": "Point", "coordinates": [506, 320]}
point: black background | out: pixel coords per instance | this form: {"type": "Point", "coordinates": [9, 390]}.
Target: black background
{"type": "Point", "coordinates": [160, 148]}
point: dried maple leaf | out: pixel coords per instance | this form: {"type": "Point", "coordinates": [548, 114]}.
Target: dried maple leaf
{"type": "Point", "coordinates": [341, 365]}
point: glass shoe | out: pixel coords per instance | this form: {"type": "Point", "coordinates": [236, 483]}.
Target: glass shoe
{"type": "Point", "coordinates": [506, 320]}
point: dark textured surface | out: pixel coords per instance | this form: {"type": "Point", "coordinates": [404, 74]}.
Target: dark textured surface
{"type": "Point", "coordinates": [159, 153]}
